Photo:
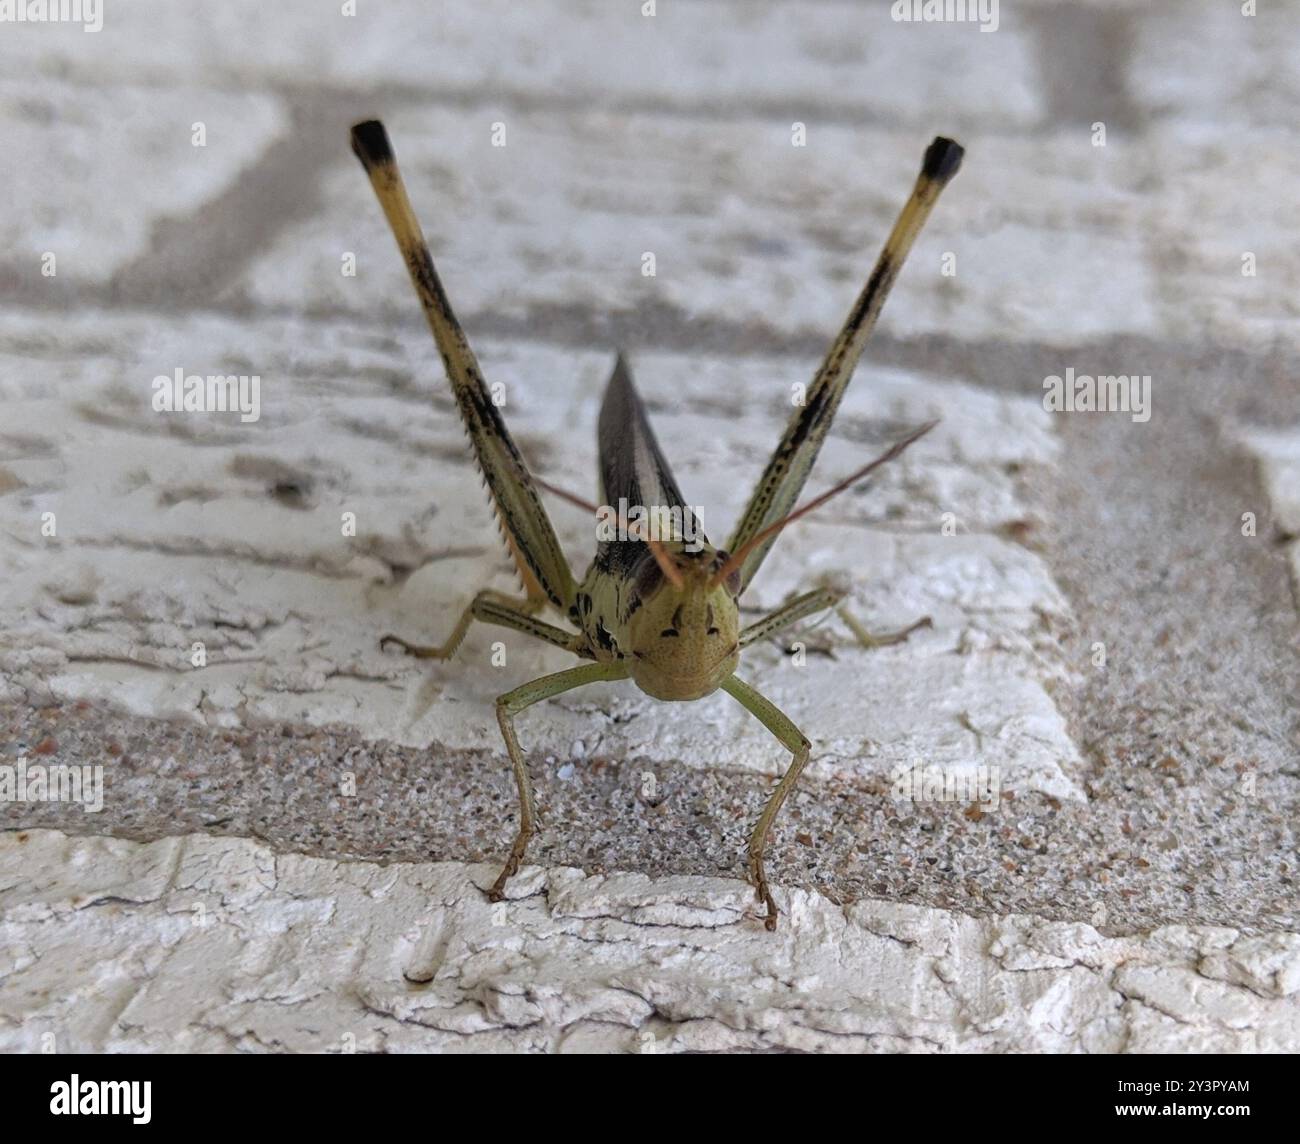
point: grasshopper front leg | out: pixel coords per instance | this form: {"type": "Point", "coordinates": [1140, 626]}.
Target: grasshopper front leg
{"type": "Point", "coordinates": [494, 607]}
{"type": "Point", "coordinates": [508, 706]}
{"type": "Point", "coordinates": [798, 744]}
{"type": "Point", "coordinates": [819, 599]}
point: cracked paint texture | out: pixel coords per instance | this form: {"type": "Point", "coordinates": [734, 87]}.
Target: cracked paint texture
{"type": "Point", "coordinates": [174, 531]}
{"type": "Point", "coordinates": [205, 944]}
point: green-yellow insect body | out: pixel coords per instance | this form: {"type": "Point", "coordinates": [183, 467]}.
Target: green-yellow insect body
{"type": "Point", "coordinates": [683, 642]}
{"type": "Point", "coordinates": [660, 610]}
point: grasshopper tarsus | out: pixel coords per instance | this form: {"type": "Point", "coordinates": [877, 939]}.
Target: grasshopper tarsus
{"type": "Point", "coordinates": [762, 892]}
{"type": "Point", "coordinates": [419, 651]}
{"type": "Point", "coordinates": [869, 639]}
{"type": "Point", "coordinates": [497, 892]}
{"type": "Point", "coordinates": [664, 613]}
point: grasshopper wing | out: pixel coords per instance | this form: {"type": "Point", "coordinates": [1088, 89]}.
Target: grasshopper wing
{"type": "Point", "coordinates": [633, 468]}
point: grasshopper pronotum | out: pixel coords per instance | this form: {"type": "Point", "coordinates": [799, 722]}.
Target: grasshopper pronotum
{"type": "Point", "coordinates": [656, 612]}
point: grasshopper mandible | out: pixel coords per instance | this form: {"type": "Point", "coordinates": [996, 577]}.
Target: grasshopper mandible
{"type": "Point", "coordinates": [656, 612]}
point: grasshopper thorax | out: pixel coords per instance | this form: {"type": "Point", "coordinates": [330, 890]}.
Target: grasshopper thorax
{"type": "Point", "coordinates": [685, 638]}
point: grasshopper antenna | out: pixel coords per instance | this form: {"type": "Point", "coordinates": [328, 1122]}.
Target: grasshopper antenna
{"type": "Point", "coordinates": [737, 558]}
{"type": "Point", "coordinates": [565, 495]}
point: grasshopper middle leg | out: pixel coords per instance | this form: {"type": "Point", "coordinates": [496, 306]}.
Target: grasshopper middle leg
{"type": "Point", "coordinates": [494, 607]}
{"type": "Point", "coordinates": [818, 600]}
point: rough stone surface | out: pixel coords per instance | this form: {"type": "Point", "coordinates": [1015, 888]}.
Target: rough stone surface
{"type": "Point", "coordinates": [238, 544]}
{"type": "Point", "coordinates": [203, 944]}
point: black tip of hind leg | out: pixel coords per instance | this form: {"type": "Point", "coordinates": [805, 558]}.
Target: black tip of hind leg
{"type": "Point", "coordinates": [370, 144]}
{"type": "Point", "coordinates": [942, 159]}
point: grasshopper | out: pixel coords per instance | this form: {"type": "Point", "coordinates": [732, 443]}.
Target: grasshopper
{"type": "Point", "coordinates": [665, 612]}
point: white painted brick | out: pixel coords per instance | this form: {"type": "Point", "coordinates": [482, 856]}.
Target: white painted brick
{"type": "Point", "coordinates": [167, 534]}
{"type": "Point", "coordinates": [1224, 195]}
{"type": "Point", "coordinates": [119, 162]}
{"type": "Point", "coordinates": [1278, 454]}
{"type": "Point", "coordinates": [1212, 64]}
{"type": "Point", "coordinates": [742, 55]}
{"type": "Point", "coordinates": [1049, 234]}
{"type": "Point", "coordinates": [216, 944]}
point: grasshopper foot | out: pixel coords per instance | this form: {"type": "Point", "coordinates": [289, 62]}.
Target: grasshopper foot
{"type": "Point", "coordinates": [497, 892]}
{"type": "Point", "coordinates": [884, 639]}
{"type": "Point", "coordinates": [901, 635]}
{"type": "Point", "coordinates": [510, 869]}
{"type": "Point", "coordinates": [420, 652]}
{"type": "Point", "coordinates": [758, 878]}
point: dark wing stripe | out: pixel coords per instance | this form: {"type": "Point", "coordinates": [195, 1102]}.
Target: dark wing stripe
{"type": "Point", "coordinates": [631, 463]}
{"type": "Point", "coordinates": [632, 466]}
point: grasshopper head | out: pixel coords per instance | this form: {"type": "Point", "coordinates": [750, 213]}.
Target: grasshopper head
{"type": "Point", "coordinates": [686, 639]}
